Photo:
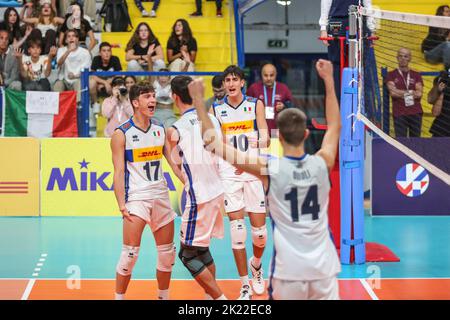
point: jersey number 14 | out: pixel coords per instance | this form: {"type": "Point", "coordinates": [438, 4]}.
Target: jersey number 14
{"type": "Point", "coordinates": [310, 204]}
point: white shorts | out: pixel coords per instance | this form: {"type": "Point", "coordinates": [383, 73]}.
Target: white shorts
{"type": "Point", "coordinates": [247, 195]}
{"type": "Point", "coordinates": [201, 222]}
{"type": "Point", "coordinates": [157, 213]}
{"type": "Point", "coordinates": [325, 289]}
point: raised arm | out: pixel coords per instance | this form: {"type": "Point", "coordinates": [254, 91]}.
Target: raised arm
{"type": "Point", "coordinates": [330, 141]}
{"type": "Point", "coordinates": [171, 153]}
{"type": "Point", "coordinates": [212, 138]}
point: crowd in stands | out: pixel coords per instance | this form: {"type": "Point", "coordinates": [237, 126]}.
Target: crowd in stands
{"type": "Point", "coordinates": [405, 86]}
{"type": "Point", "coordinates": [51, 37]}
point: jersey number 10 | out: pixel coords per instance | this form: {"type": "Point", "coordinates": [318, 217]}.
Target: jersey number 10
{"type": "Point", "coordinates": [148, 168]}
{"type": "Point", "coordinates": [310, 204]}
{"type": "Point", "coordinates": [240, 142]}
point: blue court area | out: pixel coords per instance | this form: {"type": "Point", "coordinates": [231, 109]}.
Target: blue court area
{"type": "Point", "coordinates": [92, 245]}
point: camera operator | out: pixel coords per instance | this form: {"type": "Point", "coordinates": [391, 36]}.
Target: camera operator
{"type": "Point", "coordinates": [116, 108]}
{"type": "Point", "coordinates": [439, 97]}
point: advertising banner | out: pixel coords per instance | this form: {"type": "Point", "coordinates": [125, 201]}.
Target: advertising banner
{"type": "Point", "coordinates": [402, 187]}
{"type": "Point", "coordinates": [77, 178]}
{"type": "Point", "coordinates": [19, 177]}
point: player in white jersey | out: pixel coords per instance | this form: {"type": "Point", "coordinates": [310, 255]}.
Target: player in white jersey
{"type": "Point", "coordinates": [202, 217]}
{"type": "Point", "coordinates": [304, 263]}
{"type": "Point", "coordinates": [138, 146]}
{"type": "Point", "coordinates": [244, 127]}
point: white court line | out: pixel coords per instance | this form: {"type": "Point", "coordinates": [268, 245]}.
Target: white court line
{"type": "Point", "coordinates": [27, 291]}
{"type": "Point", "coordinates": [368, 289]}
{"type": "Point", "coordinates": [41, 260]}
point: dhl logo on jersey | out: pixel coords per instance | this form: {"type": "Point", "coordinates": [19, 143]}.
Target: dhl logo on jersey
{"type": "Point", "coordinates": [147, 154]}
{"type": "Point", "coordinates": [238, 127]}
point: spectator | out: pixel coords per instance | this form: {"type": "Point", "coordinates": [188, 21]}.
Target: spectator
{"type": "Point", "coordinates": [30, 9]}
{"type": "Point", "coordinates": [181, 47]}
{"type": "Point", "coordinates": [275, 95]}
{"type": "Point", "coordinates": [105, 61]}
{"type": "Point", "coordinates": [45, 26]}
{"type": "Point", "coordinates": [71, 59]}
{"type": "Point", "coordinates": [164, 102]}
{"type": "Point", "coordinates": [9, 66]}
{"type": "Point", "coordinates": [435, 35]}
{"type": "Point", "coordinates": [144, 52]}
{"type": "Point", "coordinates": [116, 108]}
{"type": "Point", "coordinates": [144, 13]}
{"type": "Point", "coordinates": [405, 88]}
{"type": "Point", "coordinates": [218, 91]}
{"type": "Point", "coordinates": [440, 53]}
{"type": "Point", "coordinates": [198, 11]}
{"type": "Point", "coordinates": [11, 22]}
{"type": "Point", "coordinates": [89, 8]}
{"type": "Point", "coordinates": [130, 81]}
{"type": "Point", "coordinates": [36, 68]}
{"type": "Point", "coordinates": [75, 20]}
{"type": "Point", "coordinates": [439, 97]}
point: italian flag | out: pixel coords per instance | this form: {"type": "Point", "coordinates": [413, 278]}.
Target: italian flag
{"type": "Point", "coordinates": [39, 114]}
{"type": "Point", "coordinates": [156, 133]}
{"type": "Point", "coordinates": [247, 109]}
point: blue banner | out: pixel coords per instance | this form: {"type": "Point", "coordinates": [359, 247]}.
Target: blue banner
{"type": "Point", "coordinates": [402, 187]}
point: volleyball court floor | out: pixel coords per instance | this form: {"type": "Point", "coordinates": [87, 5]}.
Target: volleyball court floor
{"type": "Point", "coordinates": [43, 258]}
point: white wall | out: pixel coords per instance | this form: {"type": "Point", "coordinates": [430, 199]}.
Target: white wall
{"type": "Point", "coordinates": [300, 41]}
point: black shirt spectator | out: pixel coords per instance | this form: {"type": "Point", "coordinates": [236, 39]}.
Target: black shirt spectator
{"type": "Point", "coordinates": [140, 51]}
{"type": "Point", "coordinates": [114, 64]}
{"type": "Point", "coordinates": [439, 96]}
{"type": "Point", "coordinates": [176, 44]}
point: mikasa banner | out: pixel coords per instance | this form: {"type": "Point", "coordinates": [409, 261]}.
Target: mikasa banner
{"type": "Point", "coordinates": [77, 178]}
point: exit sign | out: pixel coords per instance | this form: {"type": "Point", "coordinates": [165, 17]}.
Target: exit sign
{"type": "Point", "coordinates": [276, 43]}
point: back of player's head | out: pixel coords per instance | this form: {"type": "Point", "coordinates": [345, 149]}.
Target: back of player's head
{"type": "Point", "coordinates": [140, 88]}
{"type": "Point", "coordinates": [179, 86]}
{"type": "Point", "coordinates": [292, 125]}
{"type": "Point", "coordinates": [235, 71]}
{"type": "Point", "coordinates": [217, 81]}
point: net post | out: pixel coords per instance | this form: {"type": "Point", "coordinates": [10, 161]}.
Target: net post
{"type": "Point", "coordinates": [351, 146]}
{"type": "Point", "coordinates": [84, 103]}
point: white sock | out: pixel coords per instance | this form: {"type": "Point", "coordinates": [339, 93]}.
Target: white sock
{"type": "Point", "coordinates": [256, 262]}
{"type": "Point", "coordinates": [163, 294]}
{"type": "Point", "coordinates": [120, 296]}
{"type": "Point", "coordinates": [245, 281]}
{"type": "Point", "coordinates": [222, 297]}
{"type": "Point", "coordinates": [208, 297]}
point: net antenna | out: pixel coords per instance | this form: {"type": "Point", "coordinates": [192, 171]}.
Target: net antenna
{"type": "Point", "coordinates": [356, 53]}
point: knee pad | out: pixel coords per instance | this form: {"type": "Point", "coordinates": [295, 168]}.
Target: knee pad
{"type": "Point", "coordinates": [238, 233]}
{"type": "Point", "coordinates": [166, 257]}
{"type": "Point", "coordinates": [259, 236]}
{"type": "Point", "coordinates": [191, 260]}
{"type": "Point", "coordinates": [127, 260]}
{"type": "Point", "coordinates": [205, 256]}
